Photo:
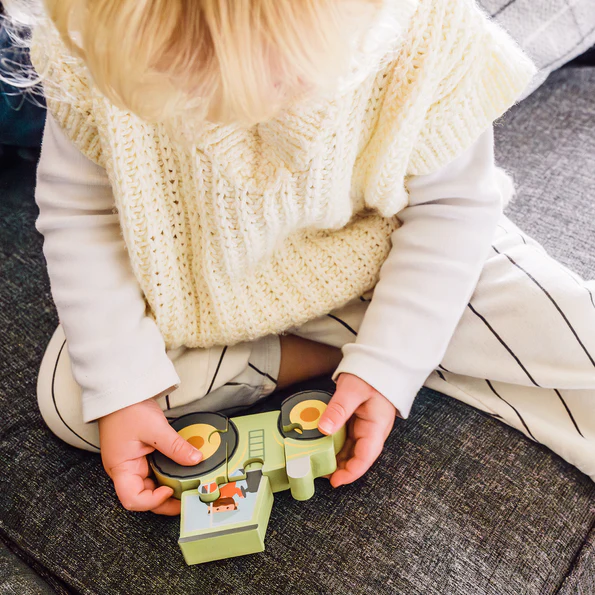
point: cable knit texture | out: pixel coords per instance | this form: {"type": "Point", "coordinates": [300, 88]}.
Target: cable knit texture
{"type": "Point", "coordinates": [247, 232]}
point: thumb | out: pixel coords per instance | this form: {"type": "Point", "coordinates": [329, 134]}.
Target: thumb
{"type": "Point", "coordinates": [341, 406]}
{"type": "Point", "coordinates": [166, 440]}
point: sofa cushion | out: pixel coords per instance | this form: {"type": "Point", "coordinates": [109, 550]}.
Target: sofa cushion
{"type": "Point", "coordinates": [552, 32]}
{"type": "Point", "coordinates": [547, 143]}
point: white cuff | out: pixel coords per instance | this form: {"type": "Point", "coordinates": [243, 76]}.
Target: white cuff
{"type": "Point", "coordinates": [399, 386]}
{"type": "Point", "coordinates": [160, 377]}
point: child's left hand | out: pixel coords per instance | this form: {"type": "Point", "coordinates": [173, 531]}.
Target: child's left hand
{"type": "Point", "coordinates": [370, 418]}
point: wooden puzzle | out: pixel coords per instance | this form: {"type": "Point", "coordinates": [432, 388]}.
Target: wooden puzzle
{"type": "Point", "coordinates": [227, 498]}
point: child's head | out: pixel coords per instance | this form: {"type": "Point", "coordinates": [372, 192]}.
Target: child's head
{"type": "Point", "coordinates": [226, 60]}
{"type": "Point", "coordinates": [223, 505]}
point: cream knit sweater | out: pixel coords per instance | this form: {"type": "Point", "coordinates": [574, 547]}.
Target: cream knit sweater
{"type": "Point", "coordinates": [251, 232]}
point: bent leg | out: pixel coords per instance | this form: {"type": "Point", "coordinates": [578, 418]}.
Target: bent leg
{"type": "Point", "coordinates": [524, 350]}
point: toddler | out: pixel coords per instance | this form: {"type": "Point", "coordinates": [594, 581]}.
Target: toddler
{"type": "Point", "coordinates": [236, 195]}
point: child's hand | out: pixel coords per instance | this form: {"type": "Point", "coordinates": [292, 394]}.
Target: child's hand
{"type": "Point", "coordinates": [126, 437]}
{"type": "Point", "coordinates": [372, 418]}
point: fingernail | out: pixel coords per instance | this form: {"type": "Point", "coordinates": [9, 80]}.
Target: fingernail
{"type": "Point", "coordinates": [195, 455]}
{"type": "Point", "coordinates": [326, 426]}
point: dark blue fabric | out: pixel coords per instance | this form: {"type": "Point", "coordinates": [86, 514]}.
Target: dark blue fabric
{"type": "Point", "coordinates": [22, 113]}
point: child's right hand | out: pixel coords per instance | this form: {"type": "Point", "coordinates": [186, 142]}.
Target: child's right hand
{"type": "Point", "coordinates": [127, 436]}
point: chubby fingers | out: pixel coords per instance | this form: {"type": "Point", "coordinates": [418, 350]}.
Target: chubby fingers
{"type": "Point", "coordinates": [364, 451]}
{"type": "Point", "coordinates": [136, 492]}
{"type": "Point", "coordinates": [166, 440]}
{"type": "Point", "coordinates": [367, 431]}
{"type": "Point", "coordinates": [171, 507]}
{"type": "Point", "coordinates": [347, 398]}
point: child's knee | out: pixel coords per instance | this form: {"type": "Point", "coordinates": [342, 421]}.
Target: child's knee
{"type": "Point", "coordinates": [59, 397]}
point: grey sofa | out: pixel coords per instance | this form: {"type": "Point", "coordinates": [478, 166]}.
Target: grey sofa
{"type": "Point", "coordinates": [458, 503]}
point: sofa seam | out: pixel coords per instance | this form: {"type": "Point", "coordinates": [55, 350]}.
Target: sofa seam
{"type": "Point", "coordinates": [31, 562]}
{"type": "Point", "coordinates": [574, 562]}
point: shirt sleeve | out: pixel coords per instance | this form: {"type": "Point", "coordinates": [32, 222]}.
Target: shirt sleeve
{"type": "Point", "coordinates": [430, 274]}
{"type": "Point", "coordinates": [117, 353]}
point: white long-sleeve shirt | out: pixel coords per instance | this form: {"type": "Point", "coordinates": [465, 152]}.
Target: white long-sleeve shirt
{"type": "Point", "coordinates": [117, 352]}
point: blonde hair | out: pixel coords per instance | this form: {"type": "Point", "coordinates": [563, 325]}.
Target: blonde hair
{"type": "Point", "coordinates": [226, 60]}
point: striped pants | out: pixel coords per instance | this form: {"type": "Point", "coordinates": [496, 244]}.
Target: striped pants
{"type": "Point", "coordinates": [523, 352]}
